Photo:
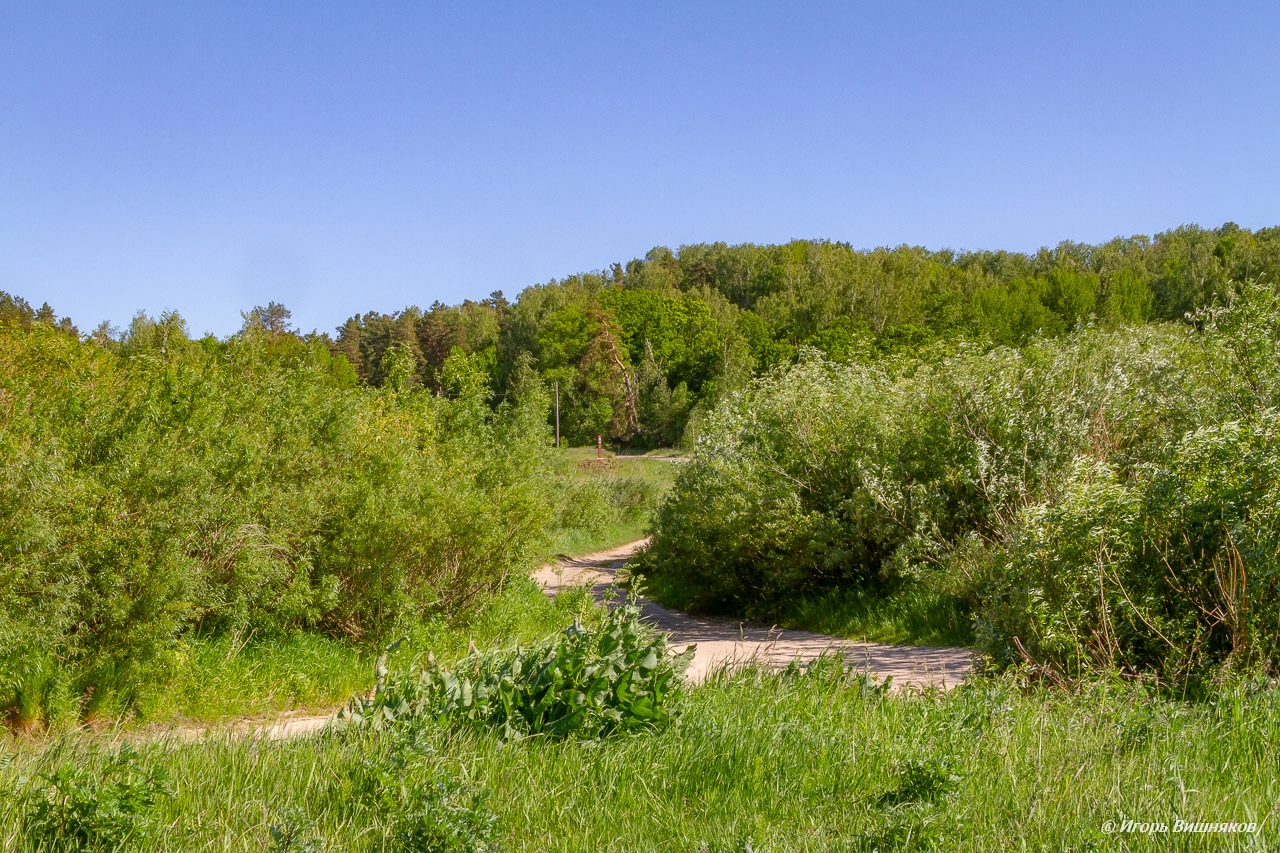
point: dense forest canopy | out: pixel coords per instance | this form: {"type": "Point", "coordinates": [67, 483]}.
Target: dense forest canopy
{"type": "Point", "coordinates": [642, 349]}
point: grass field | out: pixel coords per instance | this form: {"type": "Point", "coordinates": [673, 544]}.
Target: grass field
{"type": "Point", "coordinates": [649, 478]}
{"type": "Point", "coordinates": [790, 762]}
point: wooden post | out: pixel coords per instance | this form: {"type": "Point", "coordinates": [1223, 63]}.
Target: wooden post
{"type": "Point", "coordinates": [599, 447]}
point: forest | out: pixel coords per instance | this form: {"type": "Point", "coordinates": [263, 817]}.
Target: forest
{"type": "Point", "coordinates": [642, 349]}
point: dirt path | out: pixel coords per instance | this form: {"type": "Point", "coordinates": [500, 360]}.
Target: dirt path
{"type": "Point", "coordinates": [726, 642]}
{"type": "Point", "coordinates": [286, 726]}
{"type": "Point", "coordinates": [721, 643]}
{"type": "Point", "coordinates": [654, 458]}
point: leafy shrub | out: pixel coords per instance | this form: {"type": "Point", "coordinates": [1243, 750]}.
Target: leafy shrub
{"type": "Point", "coordinates": [443, 815]}
{"type": "Point", "coordinates": [1172, 571]}
{"type": "Point", "coordinates": [1104, 501]}
{"type": "Point", "coordinates": [168, 486]}
{"type": "Point", "coordinates": [1167, 567]}
{"type": "Point", "coordinates": [920, 780]}
{"type": "Point", "coordinates": [825, 476]}
{"type": "Point", "coordinates": [583, 683]}
{"type": "Point", "coordinates": [83, 809]}
{"type": "Point", "coordinates": [596, 501]}
{"type": "Point", "coordinates": [292, 832]}
{"type": "Point", "coordinates": [421, 804]}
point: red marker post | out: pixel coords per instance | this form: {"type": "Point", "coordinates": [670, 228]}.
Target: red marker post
{"type": "Point", "coordinates": [599, 447]}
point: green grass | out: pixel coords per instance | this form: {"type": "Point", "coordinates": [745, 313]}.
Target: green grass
{"type": "Point", "coordinates": [657, 471]}
{"type": "Point", "coordinates": [669, 452]}
{"type": "Point", "coordinates": [811, 762]}
{"type": "Point", "coordinates": [655, 477]}
{"type": "Point", "coordinates": [575, 542]}
{"type": "Point", "coordinates": [226, 678]}
{"type": "Point", "coordinates": [909, 615]}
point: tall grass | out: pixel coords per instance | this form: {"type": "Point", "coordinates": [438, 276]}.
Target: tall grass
{"type": "Point", "coordinates": [789, 762]}
{"type": "Point", "coordinates": [224, 678]}
{"type": "Point", "coordinates": [607, 504]}
{"type": "Point", "coordinates": [910, 614]}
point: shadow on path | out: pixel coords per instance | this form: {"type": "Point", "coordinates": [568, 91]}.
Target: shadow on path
{"type": "Point", "coordinates": [726, 643]}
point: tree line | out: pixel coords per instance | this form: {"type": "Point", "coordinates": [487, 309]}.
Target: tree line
{"type": "Point", "coordinates": [640, 350]}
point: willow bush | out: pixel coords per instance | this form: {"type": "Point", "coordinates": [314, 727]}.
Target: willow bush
{"type": "Point", "coordinates": [163, 487]}
{"type": "Point", "coordinates": [823, 474]}
{"type": "Point", "coordinates": [1105, 500]}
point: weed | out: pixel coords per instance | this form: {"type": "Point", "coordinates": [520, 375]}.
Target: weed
{"type": "Point", "coordinates": [581, 682]}
{"type": "Point", "coordinates": [292, 833]}
{"type": "Point", "coordinates": [79, 809]}
{"type": "Point", "coordinates": [421, 804]}
{"type": "Point", "coordinates": [920, 781]}
{"type": "Point", "coordinates": [444, 815]}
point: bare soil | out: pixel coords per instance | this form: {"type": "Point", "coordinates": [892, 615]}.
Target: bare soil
{"type": "Point", "coordinates": [723, 644]}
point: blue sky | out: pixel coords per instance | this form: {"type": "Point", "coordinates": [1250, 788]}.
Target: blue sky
{"type": "Point", "coordinates": [343, 158]}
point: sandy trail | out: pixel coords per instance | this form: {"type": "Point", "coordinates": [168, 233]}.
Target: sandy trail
{"type": "Point", "coordinates": [722, 643]}
{"type": "Point", "coordinates": [725, 643]}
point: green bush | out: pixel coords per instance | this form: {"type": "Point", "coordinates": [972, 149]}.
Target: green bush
{"type": "Point", "coordinates": [825, 476]}
{"type": "Point", "coordinates": [1172, 571]}
{"type": "Point", "coordinates": [1107, 501]}
{"type": "Point", "coordinates": [582, 683]}
{"type": "Point", "coordinates": [163, 486]}
{"type": "Point", "coordinates": [1167, 567]}
{"type": "Point", "coordinates": [94, 809]}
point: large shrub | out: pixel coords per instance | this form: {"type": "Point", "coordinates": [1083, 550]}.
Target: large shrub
{"type": "Point", "coordinates": [824, 475]}
{"type": "Point", "coordinates": [166, 486]}
{"type": "Point", "coordinates": [1171, 571]}
{"type": "Point", "coordinates": [1105, 501]}
{"type": "Point", "coordinates": [1168, 567]}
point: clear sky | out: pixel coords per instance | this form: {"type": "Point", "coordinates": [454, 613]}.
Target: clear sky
{"type": "Point", "coordinates": [341, 158]}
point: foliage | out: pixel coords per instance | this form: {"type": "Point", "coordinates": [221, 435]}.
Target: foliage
{"type": "Point", "coordinates": [292, 833]}
{"type": "Point", "coordinates": [869, 420]}
{"type": "Point", "coordinates": [640, 349]}
{"type": "Point", "coordinates": [581, 683]}
{"type": "Point", "coordinates": [102, 809]}
{"type": "Point", "coordinates": [1104, 501]}
{"type": "Point", "coordinates": [602, 504]}
{"type": "Point", "coordinates": [423, 806]}
{"type": "Point", "coordinates": [165, 487]}
{"type": "Point", "coordinates": [1168, 567]}
{"type": "Point", "coordinates": [1170, 571]}
{"type": "Point", "coordinates": [826, 476]}
{"type": "Point", "coordinates": [919, 781]}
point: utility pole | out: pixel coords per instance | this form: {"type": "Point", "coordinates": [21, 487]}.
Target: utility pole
{"type": "Point", "coordinates": [557, 413]}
